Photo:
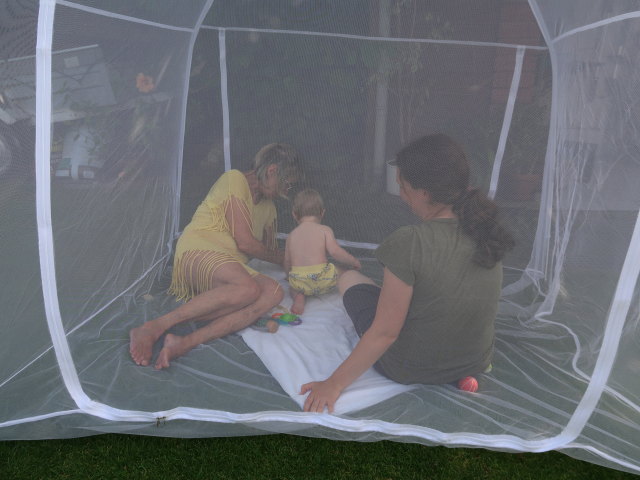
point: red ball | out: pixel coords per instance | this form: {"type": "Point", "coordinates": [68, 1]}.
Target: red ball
{"type": "Point", "coordinates": [468, 384]}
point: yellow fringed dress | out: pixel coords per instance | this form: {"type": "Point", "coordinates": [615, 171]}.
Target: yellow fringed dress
{"type": "Point", "coordinates": [209, 233]}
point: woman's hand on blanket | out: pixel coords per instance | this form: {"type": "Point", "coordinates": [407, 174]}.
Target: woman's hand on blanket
{"type": "Point", "coordinates": [322, 394]}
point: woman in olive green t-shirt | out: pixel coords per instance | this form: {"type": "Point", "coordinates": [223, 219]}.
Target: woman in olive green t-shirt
{"type": "Point", "coordinates": [433, 319]}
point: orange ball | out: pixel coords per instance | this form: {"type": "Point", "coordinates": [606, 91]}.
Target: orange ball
{"type": "Point", "coordinates": [468, 384]}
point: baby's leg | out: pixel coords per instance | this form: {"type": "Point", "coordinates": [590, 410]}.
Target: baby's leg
{"type": "Point", "coordinates": [298, 301]}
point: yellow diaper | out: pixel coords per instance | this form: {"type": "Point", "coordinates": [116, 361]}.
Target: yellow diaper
{"type": "Point", "coordinates": [314, 279]}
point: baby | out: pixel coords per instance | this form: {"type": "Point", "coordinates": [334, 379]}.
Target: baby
{"type": "Point", "coordinates": [306, 249]}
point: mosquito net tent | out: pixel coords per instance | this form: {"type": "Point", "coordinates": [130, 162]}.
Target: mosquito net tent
{"type": "Point", "coordinates": [116, 118]}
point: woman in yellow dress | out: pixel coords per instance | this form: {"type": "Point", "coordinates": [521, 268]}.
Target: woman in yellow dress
{"type": "Point", "coordinates": [235, 222]}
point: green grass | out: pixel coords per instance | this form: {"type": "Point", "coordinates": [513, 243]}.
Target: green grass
{"type": "Point", "coordinates": [277, 457]}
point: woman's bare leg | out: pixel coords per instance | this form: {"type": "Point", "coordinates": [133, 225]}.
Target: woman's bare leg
{"type": "Point", "coordinates": [350, 278]}
{"type": "Point", "coordinates": [271, 294]}
{"type": "Point", "coordinates": [233, 289]}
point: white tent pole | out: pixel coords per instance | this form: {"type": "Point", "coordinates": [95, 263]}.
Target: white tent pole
{"type": "Point", "coordinates": [536, 267]}
{"type": "Point", "coordinates": [68, 371]}
{"type": "Point", "coordinates": [117, 16]}
{"type": "Point", "coordinates": [226, 135]}
{"type": "Point", "coordinates": [539, 259]}
{"type": "Point", "coordinates": [601, 23]}
{"type": "Point", "coordinates": [506, 123]}
{"type": "Point", "coordinates": [377, 38]}
{"type": "Point", "coordinates": [382, 94]}
{"type": "Point", "coordinates": [616, 319]}
{"type": "Point", "coordinates": [630, 272]}
{"type": "Point", "coordinates": [185, 96]}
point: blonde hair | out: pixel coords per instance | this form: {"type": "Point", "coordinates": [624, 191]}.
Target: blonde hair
{"type": "Point", "coordinates": [284, 156]}
{"type": "Point", "coordinates": [308, 203]}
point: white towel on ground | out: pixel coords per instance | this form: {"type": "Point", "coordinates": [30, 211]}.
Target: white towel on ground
{"type": "Point", "coordinates": [296, 355]}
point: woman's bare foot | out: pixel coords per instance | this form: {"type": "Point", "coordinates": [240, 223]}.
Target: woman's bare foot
{"type": "Point", "coordinates": [173, 347]}
{"type": "Point", "coordinates": [298, 304]}
{"type": "Point", "coordinates": [141, 340]}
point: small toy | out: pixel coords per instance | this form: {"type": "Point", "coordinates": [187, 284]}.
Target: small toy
{"type": "Point", "coordinates": [468, 384]}
{"type": "Point", "coordinates": [287, 318]}
{"type": "Point", "coordinates": [266, 324]}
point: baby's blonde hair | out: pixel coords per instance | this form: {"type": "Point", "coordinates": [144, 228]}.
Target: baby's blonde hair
{"type": "Point", "coordinates": [308, 203]}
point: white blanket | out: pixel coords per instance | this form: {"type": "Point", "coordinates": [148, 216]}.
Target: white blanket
{"type": "Point", "coordinates": [311, 351]}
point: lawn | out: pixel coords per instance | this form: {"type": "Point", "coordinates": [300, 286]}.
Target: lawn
{"type": "Point", "coordinates": [277, 457]}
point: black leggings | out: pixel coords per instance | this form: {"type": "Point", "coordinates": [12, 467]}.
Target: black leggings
{"type": "Point", "coordinates": [361, 302]}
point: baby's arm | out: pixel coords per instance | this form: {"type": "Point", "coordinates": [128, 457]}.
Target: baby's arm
{"type": "Point", "coordinates": [287, 256]}
{"type": "Point", "coordinates": [337, 252]}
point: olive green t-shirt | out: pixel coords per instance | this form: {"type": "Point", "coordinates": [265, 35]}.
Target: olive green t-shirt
{"type": "Point", "coordinates": [449, 330]}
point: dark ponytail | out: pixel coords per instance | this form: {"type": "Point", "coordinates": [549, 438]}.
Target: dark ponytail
{"type": "Point", "coordinates": [437, 164]}
{"type": "Point", "coordinates": [478, 217]}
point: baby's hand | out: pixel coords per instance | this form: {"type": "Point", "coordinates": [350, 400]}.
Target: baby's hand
{"type": "Point", "coordinates": [356, 264]}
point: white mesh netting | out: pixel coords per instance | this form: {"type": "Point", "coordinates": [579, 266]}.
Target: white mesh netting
{"type": "Point", "coordinates": [117, 117]}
